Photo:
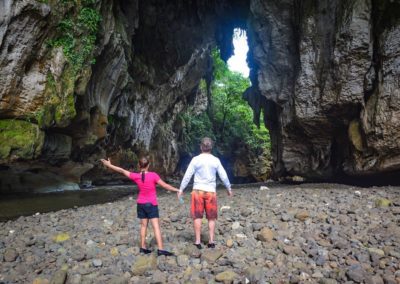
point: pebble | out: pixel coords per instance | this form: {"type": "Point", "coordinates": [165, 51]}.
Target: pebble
{"type": "Point", "coordinates": [311, 233]}
{"type": "Point", "coordinates": [10, 255]}
{"type": "Point", "coordinates": [97, 262]}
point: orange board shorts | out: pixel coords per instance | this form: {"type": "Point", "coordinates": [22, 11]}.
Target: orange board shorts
{"type": "Point", "coordinates": [204, 201]}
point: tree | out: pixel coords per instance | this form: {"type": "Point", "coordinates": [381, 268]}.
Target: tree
{"type": "Point", "coordinates": [229, 120]}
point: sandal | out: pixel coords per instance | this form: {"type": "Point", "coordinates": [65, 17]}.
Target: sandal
{"type": "Point", "coordinates": [145, 251]}
{"type": "Point", "coordinates": [198, 246]}
{"type": "Point", "coordinates": [164, 252]}
{"type": "Point", "coordinates": [212, 245]}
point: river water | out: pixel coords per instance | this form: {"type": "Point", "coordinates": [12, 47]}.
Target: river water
{"type": "Point", "coordinates": [13, 206]}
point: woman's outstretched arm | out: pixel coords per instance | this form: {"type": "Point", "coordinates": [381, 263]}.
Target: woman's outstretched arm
{"type": "Point", "coordinates": [167, 186]}
{"type": "Point", "coordinates": [108, 164]}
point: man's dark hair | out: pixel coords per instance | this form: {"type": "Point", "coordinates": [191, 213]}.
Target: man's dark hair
{"type": "Point", "coordinates": [206, 145]}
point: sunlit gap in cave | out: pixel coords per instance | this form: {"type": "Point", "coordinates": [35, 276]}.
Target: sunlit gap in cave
{"type": "Point", "coordinates": [238, 62]}
{"type": "Point", "coordinates": [243, 147]}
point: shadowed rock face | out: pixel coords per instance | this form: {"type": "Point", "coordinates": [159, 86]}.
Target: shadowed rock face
{"type": "Point", "coordinates": [326, 74]}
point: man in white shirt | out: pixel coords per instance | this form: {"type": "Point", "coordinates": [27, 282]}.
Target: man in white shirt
{"type": "Point", "coordinates": [204, 198]}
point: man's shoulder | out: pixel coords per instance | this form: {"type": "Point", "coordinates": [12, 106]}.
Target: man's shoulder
{"type": "Point", "coordinates": [207, 157]}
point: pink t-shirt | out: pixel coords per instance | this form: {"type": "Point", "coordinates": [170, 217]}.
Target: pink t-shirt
{"type": "Point", "coordinates": [147, 189]}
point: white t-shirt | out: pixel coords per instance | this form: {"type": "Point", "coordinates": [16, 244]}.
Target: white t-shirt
{"type": "Point", "coordinates": [204, 167]}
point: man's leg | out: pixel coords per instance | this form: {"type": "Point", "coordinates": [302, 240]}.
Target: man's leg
{"type": "Point", "coordinates": [197, 212]}
{"type": "Point", "coordinates": [197, 229]}
{"type": "Point", "coordinates": [143, 231]}
{"type": "Point", "coordinates": [211, 228]}
{"type": "Point", "coordinates": [211, 214]}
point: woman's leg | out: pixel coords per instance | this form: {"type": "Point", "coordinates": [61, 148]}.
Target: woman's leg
{"type": "Point", "coordinates": [157, 232]}
{"type": "Point", "coordinates": [143, 230]}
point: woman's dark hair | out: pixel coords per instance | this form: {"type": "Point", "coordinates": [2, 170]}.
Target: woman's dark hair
{"type": "Point", "coordinates": [143, 163]}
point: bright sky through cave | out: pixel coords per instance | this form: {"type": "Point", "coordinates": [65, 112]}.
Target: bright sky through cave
{"type": "Point", "coordinates": [238, 61]}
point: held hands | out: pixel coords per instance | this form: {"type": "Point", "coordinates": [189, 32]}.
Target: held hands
{"type": "Point", "coordinates": [179, 195]}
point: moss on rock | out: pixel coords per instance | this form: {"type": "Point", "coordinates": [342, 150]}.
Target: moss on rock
{"type": "Point", "coordinates": [20, 139]}
{"type": "Point", "coordinates": [59, 107]}
{"type": "Point", "coordinates": [355, 135]}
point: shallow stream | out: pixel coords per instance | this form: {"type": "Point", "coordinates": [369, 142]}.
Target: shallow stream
{"type": "Point", "coordinates": [13, 206]}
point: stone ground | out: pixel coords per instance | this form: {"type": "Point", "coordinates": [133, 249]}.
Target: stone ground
{"type": "Point", "coordinates": [309, 233]}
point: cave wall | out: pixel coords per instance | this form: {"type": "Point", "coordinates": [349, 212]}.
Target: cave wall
{"type": "Point", "coordinates": [327, 75]}
{"type": "Point", "coordinates": [119, 97]}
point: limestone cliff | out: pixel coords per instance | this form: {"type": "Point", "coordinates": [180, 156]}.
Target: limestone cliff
{"type": "Point", "coordinates": [80, 80]}
{"type": "Point", "coordinates": [327, 73]}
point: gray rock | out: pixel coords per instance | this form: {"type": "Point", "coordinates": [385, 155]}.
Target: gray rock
{"type": "Point", "coordinates": [211, 255]}
{"type": "Point", "coordinates": [158, 277]}
{"type": "Point", "coordinates": [255, 274]}
{"type": "Point", "coordinates": [357, 274]}
{"type": "Point", "coordinates": [376, 279]}
{"type": "Point", "coordinates": [97, 262]}
{"type": "Point", "coordinates": [10, 255]}
{"type": "Point", "coordinates": [59, 277]}
{"type": "Point", "coordinates": [183, 260]}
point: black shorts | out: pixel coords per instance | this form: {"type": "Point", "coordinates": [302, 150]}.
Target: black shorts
{"type": "Point", "coordinates": [147, 211]}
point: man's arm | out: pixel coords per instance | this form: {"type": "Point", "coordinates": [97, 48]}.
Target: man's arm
{"type": "Point", "coordinates": [188, 175]}
{"type": "Point", "coordinates": [224, 177]}
{"type": "Point", "coordinates": [108, 164]}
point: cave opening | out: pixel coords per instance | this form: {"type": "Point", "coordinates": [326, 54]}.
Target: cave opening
{"type": "Point", "coordinates": [243, 147]}
{"type": "Point", "coordinates": [238, 61]}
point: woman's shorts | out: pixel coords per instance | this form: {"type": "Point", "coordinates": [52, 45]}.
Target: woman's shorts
{"type": "Point", "coordinates": [204, 201]}
{"type": "Point", "coordinates": [147, 211]}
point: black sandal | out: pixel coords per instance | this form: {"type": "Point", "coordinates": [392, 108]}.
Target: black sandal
{"type": "Point", "coordinates": [145, 251]}
{"type": "Point", "coordinates": [212, 245]}
{"type": "Point", "coordinates": [198, 246]}
{"type": "Point", "coordinates": [164, 252]}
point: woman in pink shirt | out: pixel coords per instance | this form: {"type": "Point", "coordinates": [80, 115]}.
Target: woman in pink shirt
{"type": "Point", "coordinates": [147, 206]}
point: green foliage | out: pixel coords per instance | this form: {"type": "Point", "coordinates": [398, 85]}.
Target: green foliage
{"type": "Point", "coordinates": [233, 117]}
{"type": "Point", "coordinates": [194, 128]}
{"type": "Point", "coordinates": [77, 34]}
{"type": "Point", "coordinates": [229, 120]}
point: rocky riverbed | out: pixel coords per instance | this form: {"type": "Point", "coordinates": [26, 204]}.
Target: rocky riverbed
{"type": "Point", "coordinates": [309, 233]}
